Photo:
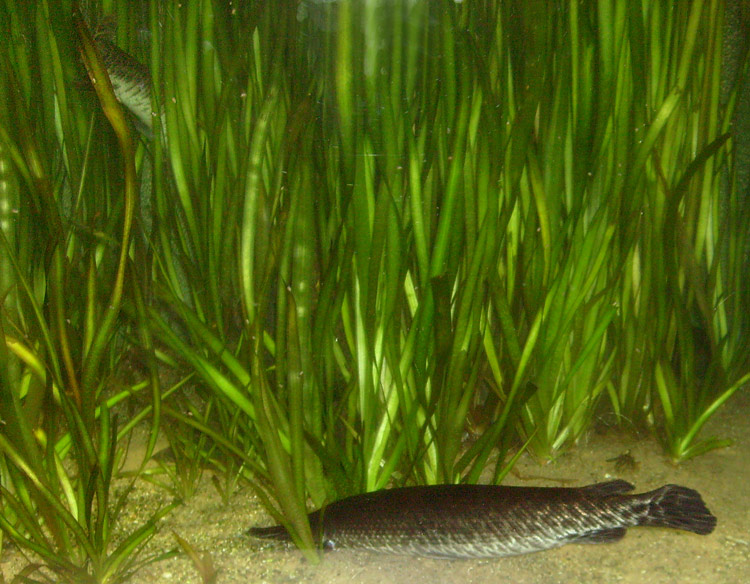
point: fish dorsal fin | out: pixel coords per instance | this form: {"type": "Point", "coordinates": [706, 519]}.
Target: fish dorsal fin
{"type": "Point", "coordinates": [609, 488]}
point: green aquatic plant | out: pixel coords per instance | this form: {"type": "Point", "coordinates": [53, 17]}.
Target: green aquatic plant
{"type": "Point", "coordinates": [66, 245]}
{"type": "Point", "coordinates": [386, 243]}
{"type": "Point", "coordinates": [437, 206]}
{"type": "Point", "coordinates": [439, 209]}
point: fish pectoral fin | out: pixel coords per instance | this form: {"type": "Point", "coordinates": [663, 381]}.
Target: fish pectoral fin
{"type": "Point", "coordinates": [599, 536]}
{"type": "Point", "coordinates": [277, 532]}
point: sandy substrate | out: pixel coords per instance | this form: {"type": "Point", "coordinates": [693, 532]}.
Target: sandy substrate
{"type": "Point", "coordinates": [657, 556]}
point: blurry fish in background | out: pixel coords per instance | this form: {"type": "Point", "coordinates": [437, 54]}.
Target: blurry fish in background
{"type": "Point", "coordinates": [131, 81]}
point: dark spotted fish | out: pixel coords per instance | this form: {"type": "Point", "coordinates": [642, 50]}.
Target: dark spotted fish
{"type": "Point", "coordinates": [131, 82]}
{"type": "Point", "coordinates": [480, 521]}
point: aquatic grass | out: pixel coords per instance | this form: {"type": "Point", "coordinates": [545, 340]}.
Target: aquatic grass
{"type": "Point", "coordinates": [401, 243]}
{"type": "Point", "coordinates": [78, 548]}
{"type": "Point", "coordinates": [365, 289]}
{"type": "Point", "coordinates": [684, 416]}
{"type": "Point", "coordinates": [186, 458]}
{"type": "Point", "coordinates": [441, 210]}
{"type": "Point", "coordinates": [558, 233]}
{"type": "Point", "coordinates": [673, 275]}
{"type": "Point", "coordinates": [68, 226]}
{"type": "Point", "coordinates": [202, 562]}
{"type": "Point", "coordinates": [199, 269]}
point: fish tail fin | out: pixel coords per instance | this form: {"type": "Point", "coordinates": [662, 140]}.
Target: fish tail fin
{"type": "Point", "coordinates": [678, 507]}
{"type": "Point", "coordinates": [277, 532]}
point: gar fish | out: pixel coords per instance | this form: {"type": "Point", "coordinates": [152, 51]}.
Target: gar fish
{"type": "Point", "coordinates": [481, 521]}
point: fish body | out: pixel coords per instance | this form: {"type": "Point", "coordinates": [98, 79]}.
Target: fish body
{"type": "Point", "coordinates": [131, 82]}
{"type": "Point", "coordinates": [481, 521]}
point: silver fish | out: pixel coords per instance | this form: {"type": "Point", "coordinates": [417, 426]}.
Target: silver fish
{"type": "Point", "coordinates": [482, 521]}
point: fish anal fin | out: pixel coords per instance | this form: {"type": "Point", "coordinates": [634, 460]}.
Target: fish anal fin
{"type": "Point", "coordinates": [599, 536]}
